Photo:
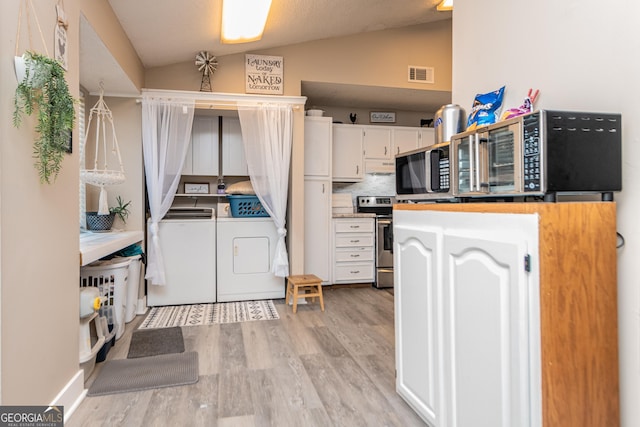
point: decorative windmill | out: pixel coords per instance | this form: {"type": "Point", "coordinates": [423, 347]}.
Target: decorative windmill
{"type": "Point", "coordinates": [207, 64]}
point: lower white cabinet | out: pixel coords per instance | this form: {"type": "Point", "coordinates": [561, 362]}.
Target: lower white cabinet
{"type": "Point", "coordinates": [506, 313]}
{"type": "Point", "coordinates": [467, 319]}
{"type": "Point", "coordinates": [317, 228]}
{"type": "Point", "coordinates": [353, 252]}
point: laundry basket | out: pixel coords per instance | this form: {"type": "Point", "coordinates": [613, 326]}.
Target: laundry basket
{"type": "Point", "coordinates": [110, 277]}
{"type": "Point", "coordinates": [246, 206]}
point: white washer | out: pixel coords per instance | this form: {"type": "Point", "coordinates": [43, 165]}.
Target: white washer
{"type": "Point", "coordinates": [246, 247]}
{"type": "Point", "coordinates": [188, 244]}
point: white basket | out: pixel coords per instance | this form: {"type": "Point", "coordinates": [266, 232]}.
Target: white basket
{"type": "Point", "coordinates": [133, 287]}
{"type": "Point", "coordinates": [110, 277]}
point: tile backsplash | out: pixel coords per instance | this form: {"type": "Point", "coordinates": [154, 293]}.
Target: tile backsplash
{"type": "Point", "coordinates": [372, 185]}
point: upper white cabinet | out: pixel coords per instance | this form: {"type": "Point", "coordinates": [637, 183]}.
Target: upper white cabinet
{"type": "Point", "coordinates": [234, 162]}
{"type": "Point", "coordinates": [347, 153]}
{"type": "Point", "coordinates": [405, 139]}
{"type": "Point", "coordinates": [377, 142]}
{"type": "Point", "coordinates": [427, 137]}
{"type": "Point", "coordinates": [317, 146]}
{"type": "Point", "coordinates": [202, 156]}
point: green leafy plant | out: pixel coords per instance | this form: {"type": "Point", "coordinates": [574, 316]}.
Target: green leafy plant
{"type": "Point", "coordinates": [45, 90]}
{"type": "Point", "coordinates": [122, 210]}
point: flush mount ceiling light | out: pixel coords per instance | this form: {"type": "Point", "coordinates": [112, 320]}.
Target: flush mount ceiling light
{"type": "Point", "coordinates": [243, 20]}
{"type": "Point", "coordinates": [445, 5]}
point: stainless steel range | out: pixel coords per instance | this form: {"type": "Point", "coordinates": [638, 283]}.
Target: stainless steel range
{"type": "Point", "coordinates": [382, 206]}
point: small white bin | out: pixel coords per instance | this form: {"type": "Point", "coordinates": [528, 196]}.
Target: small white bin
{"type": "Point", "coordinates": [110, 277]}
{"type": "Point", "coordinates": [133, 286]}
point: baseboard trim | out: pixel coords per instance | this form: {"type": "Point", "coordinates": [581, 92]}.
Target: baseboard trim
{"type": "Point", "coordinates": [71, 395]}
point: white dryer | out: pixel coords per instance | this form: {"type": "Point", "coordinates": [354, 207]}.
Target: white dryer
{"type": "Point", "coordinates": [188, 244]}
{"type": "Point", "coordinates": [246, 247]}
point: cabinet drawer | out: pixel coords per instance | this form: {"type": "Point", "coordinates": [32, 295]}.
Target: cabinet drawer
{"type": "Point", "coordinates": [354, 272]}
{"type": "Point", "coordinates": [353, 240]}
{"type": "Point", "coordinates": [350, 255]}
{"type": "Point", "coordinates": [351, 226]}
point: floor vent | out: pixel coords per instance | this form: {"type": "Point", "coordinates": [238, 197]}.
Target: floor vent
{"type": "Point", "coordinates": [420, 74]}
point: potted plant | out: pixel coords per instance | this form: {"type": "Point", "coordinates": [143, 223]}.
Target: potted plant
{"type": "Point", "coordinates": [44, 89]}
{"type": "Point", "coordinates": [97, 222]}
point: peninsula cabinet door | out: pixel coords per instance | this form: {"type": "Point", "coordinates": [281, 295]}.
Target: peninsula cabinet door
{"type": "Point", "coordinates": [487, 350]}
{"type": "Point", "coordinates": [418, 370]}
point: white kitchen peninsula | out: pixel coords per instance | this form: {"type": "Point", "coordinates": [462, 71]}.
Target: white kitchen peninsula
{"type": "Point", "coordinates": [507, 313]}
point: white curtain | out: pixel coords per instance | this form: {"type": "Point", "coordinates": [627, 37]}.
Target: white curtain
{"type": "Point", "coordinates": [267, 136]}
{"type": "Point", "coordinates": [166, 133]}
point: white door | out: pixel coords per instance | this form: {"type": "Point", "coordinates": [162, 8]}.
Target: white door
{"type": "Point", "coordinates": [204, 146]}
{"type": "Point", "coordinates": [317, 146]}
{"type": "Point", "coordinates": [486, 291]}
{"type": "Point", "coordinates": [347, 161]}
{"type": "Point", "coordinates": [377, 142]}
{"type": "Point", "coordinates": [405, 140]}
{"type": "Point", "coordinates": [418, 351]}
{"type": "Point", "coordinates": [234, 162]}
{"type": "Point", "coordinates": [317, 228]}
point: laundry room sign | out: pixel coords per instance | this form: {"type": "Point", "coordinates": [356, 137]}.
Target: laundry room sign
{"type": "Point", "coordinates": [264, 74]}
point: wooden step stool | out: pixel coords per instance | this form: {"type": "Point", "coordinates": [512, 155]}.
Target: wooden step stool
{"type": "Point", "coordinates": [308, 283]}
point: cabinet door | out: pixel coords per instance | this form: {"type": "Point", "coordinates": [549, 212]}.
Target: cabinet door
{"type": "Point", "coordinates": [317, 146]}
{"type": "Point", "coordinates": [418, 350]}
{"type": "Point", "coordinates": [377, 142]}
{"type": "Point", "coordinates": [487, 330]}
{"type": "Point", "coordinates": [405, 140]}
{"type": "Point", "coordinates": [346, 156]}
{"type": "Point", "coordinates": [427, 137]}
{"type": "Point", "coordinates": [234, 162]}
{"type": "Point", "coordinates": [204, 146]}
{"type": "Point", "coordinates": [317, 228]}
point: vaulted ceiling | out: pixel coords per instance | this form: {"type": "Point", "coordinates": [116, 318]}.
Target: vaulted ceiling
{"type": "Point", "coordinates": [168, 31]}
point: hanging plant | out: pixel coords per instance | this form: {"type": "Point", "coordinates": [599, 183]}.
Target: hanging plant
{"type": "Point", "coordinates": [44, 89]}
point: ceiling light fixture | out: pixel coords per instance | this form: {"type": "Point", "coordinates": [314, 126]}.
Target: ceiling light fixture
{"type": "Point", "coordinates": [243, 20]}
{"type": "Point", "coordinates": [445, 5]}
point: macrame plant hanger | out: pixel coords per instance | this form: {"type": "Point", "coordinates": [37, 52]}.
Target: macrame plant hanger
{"type": "Point", "coordinates": [19, 61]}
{"type": "Point", "coordinates": [105, 176]}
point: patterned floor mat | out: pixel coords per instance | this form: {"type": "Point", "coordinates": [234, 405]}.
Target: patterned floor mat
{"type": "Point", "coordinates": [209, 314]}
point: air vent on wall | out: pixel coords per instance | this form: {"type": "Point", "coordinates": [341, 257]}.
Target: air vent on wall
{"type": "Point", "coordinates": [420, 74]}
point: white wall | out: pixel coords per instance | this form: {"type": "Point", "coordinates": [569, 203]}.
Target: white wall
{"type": "Point", "coordinates": [582, 55]}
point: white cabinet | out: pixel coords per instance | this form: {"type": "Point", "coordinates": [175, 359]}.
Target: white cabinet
{"type": "Point", "coordinates": [202, 155]}
{"type": "Point", "coordinates": [234, 162]}
{"type": "Point", "coordinates": [317, 227]}
{"type": "Point", "coordinates": [377, 142]}
{"type": "Point", "coordinates": [465, 280]}
{"type": "Point", "coordinates": [405, 139]}
{"type": "Point", "coordinates": [317, 196]}
{"type": "Point", "coordinates": [353, 250]}
{"type": "Point", "coordinates": [495, 313]}
{"type": "Point", "coordinates": [427, 137]}
{"type": "Point", "coordinates": [347, 161]}
{"type": "Point", "coordinates": [317, 146]}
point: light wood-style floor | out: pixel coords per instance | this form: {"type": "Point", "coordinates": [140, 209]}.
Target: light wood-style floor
{"type": "Point", "coordinates": [307, 369]}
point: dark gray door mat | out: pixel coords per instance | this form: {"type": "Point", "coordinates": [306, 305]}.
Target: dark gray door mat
{"type": "Point", "coordinates": [144, 373]}
{"type": "Point", "coordinates": [153, 342]}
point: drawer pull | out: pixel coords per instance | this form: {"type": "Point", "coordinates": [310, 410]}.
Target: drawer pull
{"type": "Point", "coordinates": [355, 241]}
{"type": "Point", "coordinates": [355, 255]}
{"type": "Point", "coordinates": [355, 272]}
{"type": "Point", "coordinates": [354, 226]}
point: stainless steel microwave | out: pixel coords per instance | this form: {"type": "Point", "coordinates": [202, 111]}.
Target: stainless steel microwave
{"type": "Point", "coordinates": [543, 153]}
{"type": "Point", "coordinates": [424, 174]}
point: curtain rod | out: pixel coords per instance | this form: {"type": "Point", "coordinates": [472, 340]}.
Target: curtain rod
{"type": "Point", "coordinates": [224, 100]}
{"type": "Point", "coordinates": [199, 104]}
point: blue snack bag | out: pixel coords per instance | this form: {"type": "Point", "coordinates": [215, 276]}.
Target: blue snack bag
{"type": "Point", "coordinates": [485, 109]}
